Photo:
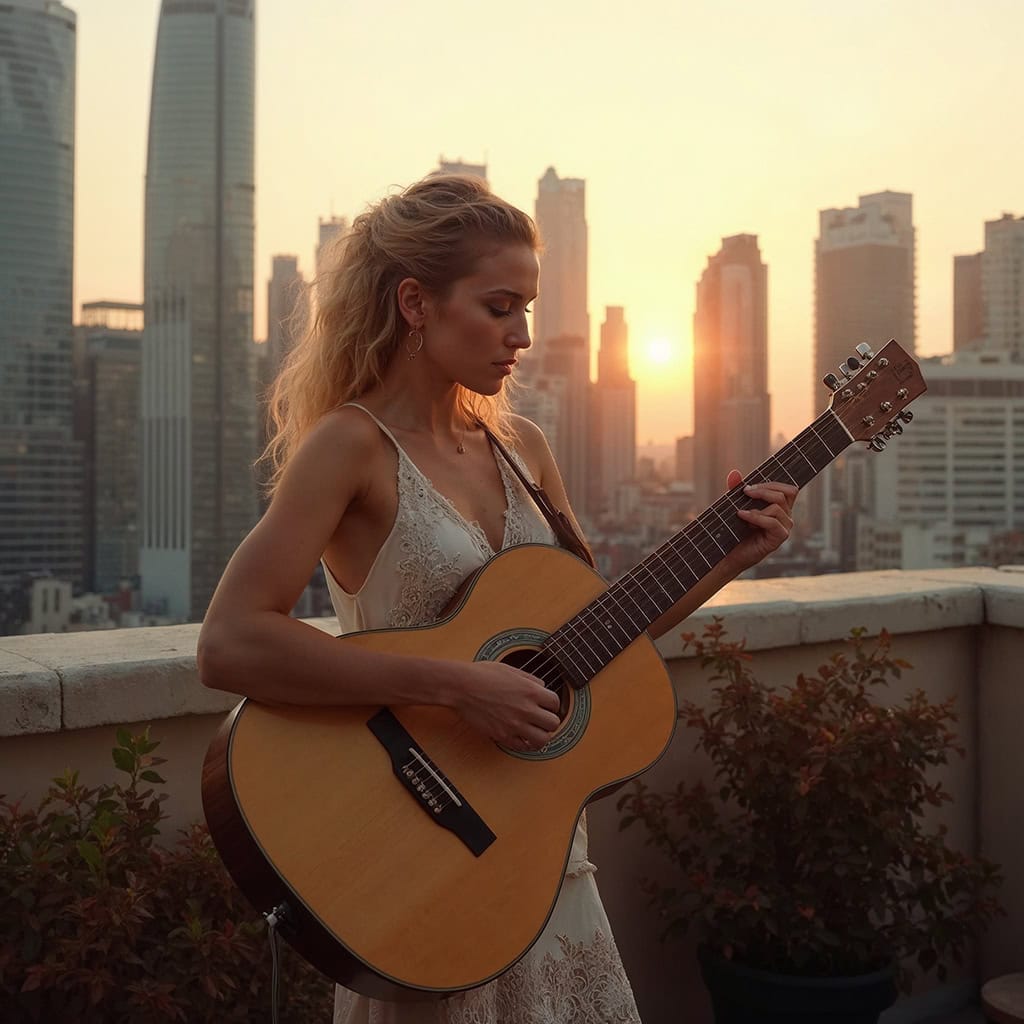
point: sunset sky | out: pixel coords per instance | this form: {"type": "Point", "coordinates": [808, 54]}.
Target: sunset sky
{"type": "Point", "coordinates": [689, 121]}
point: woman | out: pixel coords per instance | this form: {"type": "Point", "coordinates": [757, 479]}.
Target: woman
{"type": "Point", "coordinates": [381, 471]}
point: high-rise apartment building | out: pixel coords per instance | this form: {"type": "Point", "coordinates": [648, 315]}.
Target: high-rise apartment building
{"type": "Point", "coordinates": [561, 308]}
{"type": "Point", "coordinates": [1002, 285]}
{"type": "Point", "coordinates": [40, 462]}
{"type": "Point", "coordinates": [107, 375]}
{"type": "Point", "coordinates": [613, 426]}
{"type": "Point", "coordinates": [730, 366]}
{"type": "Point", "coordinates": [988, 291]}
{"type": "Point", "coordinates": [864, 292]}
{"type": "Point", "coordinates": [953, 482]}
{"type": "Point", "coordinates": [199, 410]}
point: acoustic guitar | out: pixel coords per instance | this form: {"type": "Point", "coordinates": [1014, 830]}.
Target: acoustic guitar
{"type": "Point", "coordinates": [411, 856]}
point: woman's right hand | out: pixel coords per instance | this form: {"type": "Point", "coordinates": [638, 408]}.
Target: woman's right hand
{"type": "Point", "coordinates": [509, 706]}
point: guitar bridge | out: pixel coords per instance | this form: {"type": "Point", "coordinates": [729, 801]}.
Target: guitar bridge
{"type": "Point", "coordinates": [428, 785]}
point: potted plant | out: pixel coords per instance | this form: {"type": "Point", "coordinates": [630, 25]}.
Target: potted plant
{"type": "Point", "coordinates": [811, 874]}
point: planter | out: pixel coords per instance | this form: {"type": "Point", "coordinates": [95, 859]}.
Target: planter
{"type": "Point", "coordinates": [745, 995]}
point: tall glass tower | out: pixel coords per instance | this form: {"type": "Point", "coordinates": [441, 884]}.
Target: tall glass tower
{"type": "Point", "coordinates": [198, 402]}
{"type": "Point", "coordinates": [40, 464]}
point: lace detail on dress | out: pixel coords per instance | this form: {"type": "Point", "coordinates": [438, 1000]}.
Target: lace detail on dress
{"type": "Point", "coordinates": [585, 985]}
{"type": "Point", "coordinates": [518, 527]}
{"type": "Point", "coordinates": [429, 574]}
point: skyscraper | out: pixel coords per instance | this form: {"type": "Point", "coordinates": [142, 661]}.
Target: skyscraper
{"type": "Point", "coordinates": [558, 366]}
{"type": "Point", "coordinates": [284, 290]}
{"type": "Point", "coordinates": [968, 309]}
{"type": "Point", "coordinates": [329, 231]}
{"type": "Point", "coordinates": [107, 367]}
{"type": "Point", "coordinates": [864, 280]}
{"type": "Point", "coordinates": [730, 366]}
{"type": "Point", "coordinates": [1002, 285]}
{"type": "Point", "coordinates": [566, 373]}
{"type": "Point", "coordinates": [613, 426]}
{"type": "Point", "coordinates": [561, 308]}
{"type": "Point", "coordinates": [864, 292]}
{"type": "Point", "coordinates": [40, 463]}
{"type": "Point", "coordinates": [198, 392]}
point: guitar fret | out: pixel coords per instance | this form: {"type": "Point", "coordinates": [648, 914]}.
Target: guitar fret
{"type": "Point", "coordinates": [628, 592]}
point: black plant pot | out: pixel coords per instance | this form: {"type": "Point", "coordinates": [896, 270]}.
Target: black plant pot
{"type": "Point", "coordinates": [744, 995]}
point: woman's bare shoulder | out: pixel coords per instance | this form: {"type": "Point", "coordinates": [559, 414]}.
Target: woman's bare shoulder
{"type": "Point", "coordinates": [530, 442]}
{"type": "Point", "coordinates": [345, 429]}
{"type": "Point", "coordinates": [341, 448]}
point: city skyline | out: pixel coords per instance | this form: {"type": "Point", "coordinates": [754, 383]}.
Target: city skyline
{"type": "Point", "coordinates": [818, 107]}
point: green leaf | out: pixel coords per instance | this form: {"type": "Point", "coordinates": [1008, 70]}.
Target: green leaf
{"type": "Point", "coordinates": [145, 745]}
{"type": "Point", "coordinates": [124, 759]}
{"type": "Point", "coordinates": [124, 739]}
{"type": "Point", "coordinates": [90, 853]}
{"type": "Point", "coordinates": [149, 776]}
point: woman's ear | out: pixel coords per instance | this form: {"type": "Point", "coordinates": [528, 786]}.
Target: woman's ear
{"type": "Point", "coordinates": [412, 302]}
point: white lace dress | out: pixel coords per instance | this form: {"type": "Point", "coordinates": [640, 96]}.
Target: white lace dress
{"type": "Point", "coordinates": [573, 973]}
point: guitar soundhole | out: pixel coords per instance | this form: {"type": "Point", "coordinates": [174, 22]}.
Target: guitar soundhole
{"type": "Point", "coordinates": [522, 657]}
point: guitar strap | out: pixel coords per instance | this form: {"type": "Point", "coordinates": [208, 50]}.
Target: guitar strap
{"type": "Point", "coordinates": [567, 537]}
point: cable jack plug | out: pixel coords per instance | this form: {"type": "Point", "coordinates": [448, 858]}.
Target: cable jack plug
{"type": "Point", "coordinates": [280, 917]}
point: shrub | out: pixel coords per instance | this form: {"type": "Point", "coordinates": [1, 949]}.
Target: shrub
{"type": "Point", "coordinates": [814, 855]}
{"type": "Point", "coordinates": [102, 925]}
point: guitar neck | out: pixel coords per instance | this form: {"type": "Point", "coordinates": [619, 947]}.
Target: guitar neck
{"type": "Point", "coordinates": [609, 624]}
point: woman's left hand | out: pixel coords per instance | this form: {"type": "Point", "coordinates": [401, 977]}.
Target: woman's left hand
{"type": "Point", "coordinates": [772, 524]}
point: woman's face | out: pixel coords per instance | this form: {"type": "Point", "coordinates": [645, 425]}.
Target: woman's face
{"type": "Point", "coordinates": [475, 335]}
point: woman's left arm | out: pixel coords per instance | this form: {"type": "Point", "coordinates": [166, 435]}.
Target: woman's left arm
{"type": "Point", "coordinates": [772, 525]}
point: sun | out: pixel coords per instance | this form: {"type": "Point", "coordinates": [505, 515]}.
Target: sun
{"type": "Point", "coordinates": [659, 352]}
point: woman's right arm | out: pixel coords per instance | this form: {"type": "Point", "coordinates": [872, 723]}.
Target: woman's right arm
{"type": "Point", "coordinates": [251, 645]}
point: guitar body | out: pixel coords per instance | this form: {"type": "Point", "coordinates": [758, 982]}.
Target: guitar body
{"type": "Point", "coordinates": [309, 807]}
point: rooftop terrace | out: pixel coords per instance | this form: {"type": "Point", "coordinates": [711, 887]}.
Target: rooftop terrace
{"type": "Point", "coordinates": [963, 630]}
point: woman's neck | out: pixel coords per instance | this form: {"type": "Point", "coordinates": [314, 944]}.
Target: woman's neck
{"type": "Point", "coordinates": [409, 401]}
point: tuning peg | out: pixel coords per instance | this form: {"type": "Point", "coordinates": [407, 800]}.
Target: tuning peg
{"type": "Point", "coordinates": [852, 364]}
{"type": "Point", "coordinates": [894, 427]}
{"type": "Point", "coordinates": [864, 349]}
{"type": "Point", "coordinates": [906, 415]}
{"type": "Point", "coordinates": [877, 443]}
{"type": "Point", "coordinates": [831, 381]}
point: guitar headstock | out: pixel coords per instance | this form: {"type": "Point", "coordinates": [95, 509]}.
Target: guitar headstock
{"type": "Point", "coordinates": [872, 399]}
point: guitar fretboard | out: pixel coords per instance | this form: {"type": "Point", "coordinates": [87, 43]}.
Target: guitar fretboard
{"type": "Point", "coordinates": [610, 623]}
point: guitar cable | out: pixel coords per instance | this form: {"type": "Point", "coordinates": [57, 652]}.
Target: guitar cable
{"type": "Point", "coordinates": [276, 917]}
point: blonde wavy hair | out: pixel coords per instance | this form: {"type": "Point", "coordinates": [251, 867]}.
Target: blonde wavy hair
{"type": "Point", "coordinates": [434, 231]}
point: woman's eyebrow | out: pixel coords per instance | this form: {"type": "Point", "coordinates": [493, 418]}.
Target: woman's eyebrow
{"type": "Point", "coordinates": [506, 291]}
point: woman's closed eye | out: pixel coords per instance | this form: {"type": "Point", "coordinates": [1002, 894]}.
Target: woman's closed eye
{"type": "Point", "coordinates": [499, 311]}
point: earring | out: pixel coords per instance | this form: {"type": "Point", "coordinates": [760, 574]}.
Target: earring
{"type": "Point", "coordinates": [417, 335]}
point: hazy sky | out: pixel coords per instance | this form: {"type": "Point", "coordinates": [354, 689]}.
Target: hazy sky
{"type": "Point", "coordinates": [689, 119]}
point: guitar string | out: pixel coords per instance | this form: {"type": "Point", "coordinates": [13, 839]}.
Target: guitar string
{"type": "Point", "coordinates": [685, 543]}
{"type": "Point", "coordinates": [582, 624]}
{"type": "Point", "coordinates": [599, 606]}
